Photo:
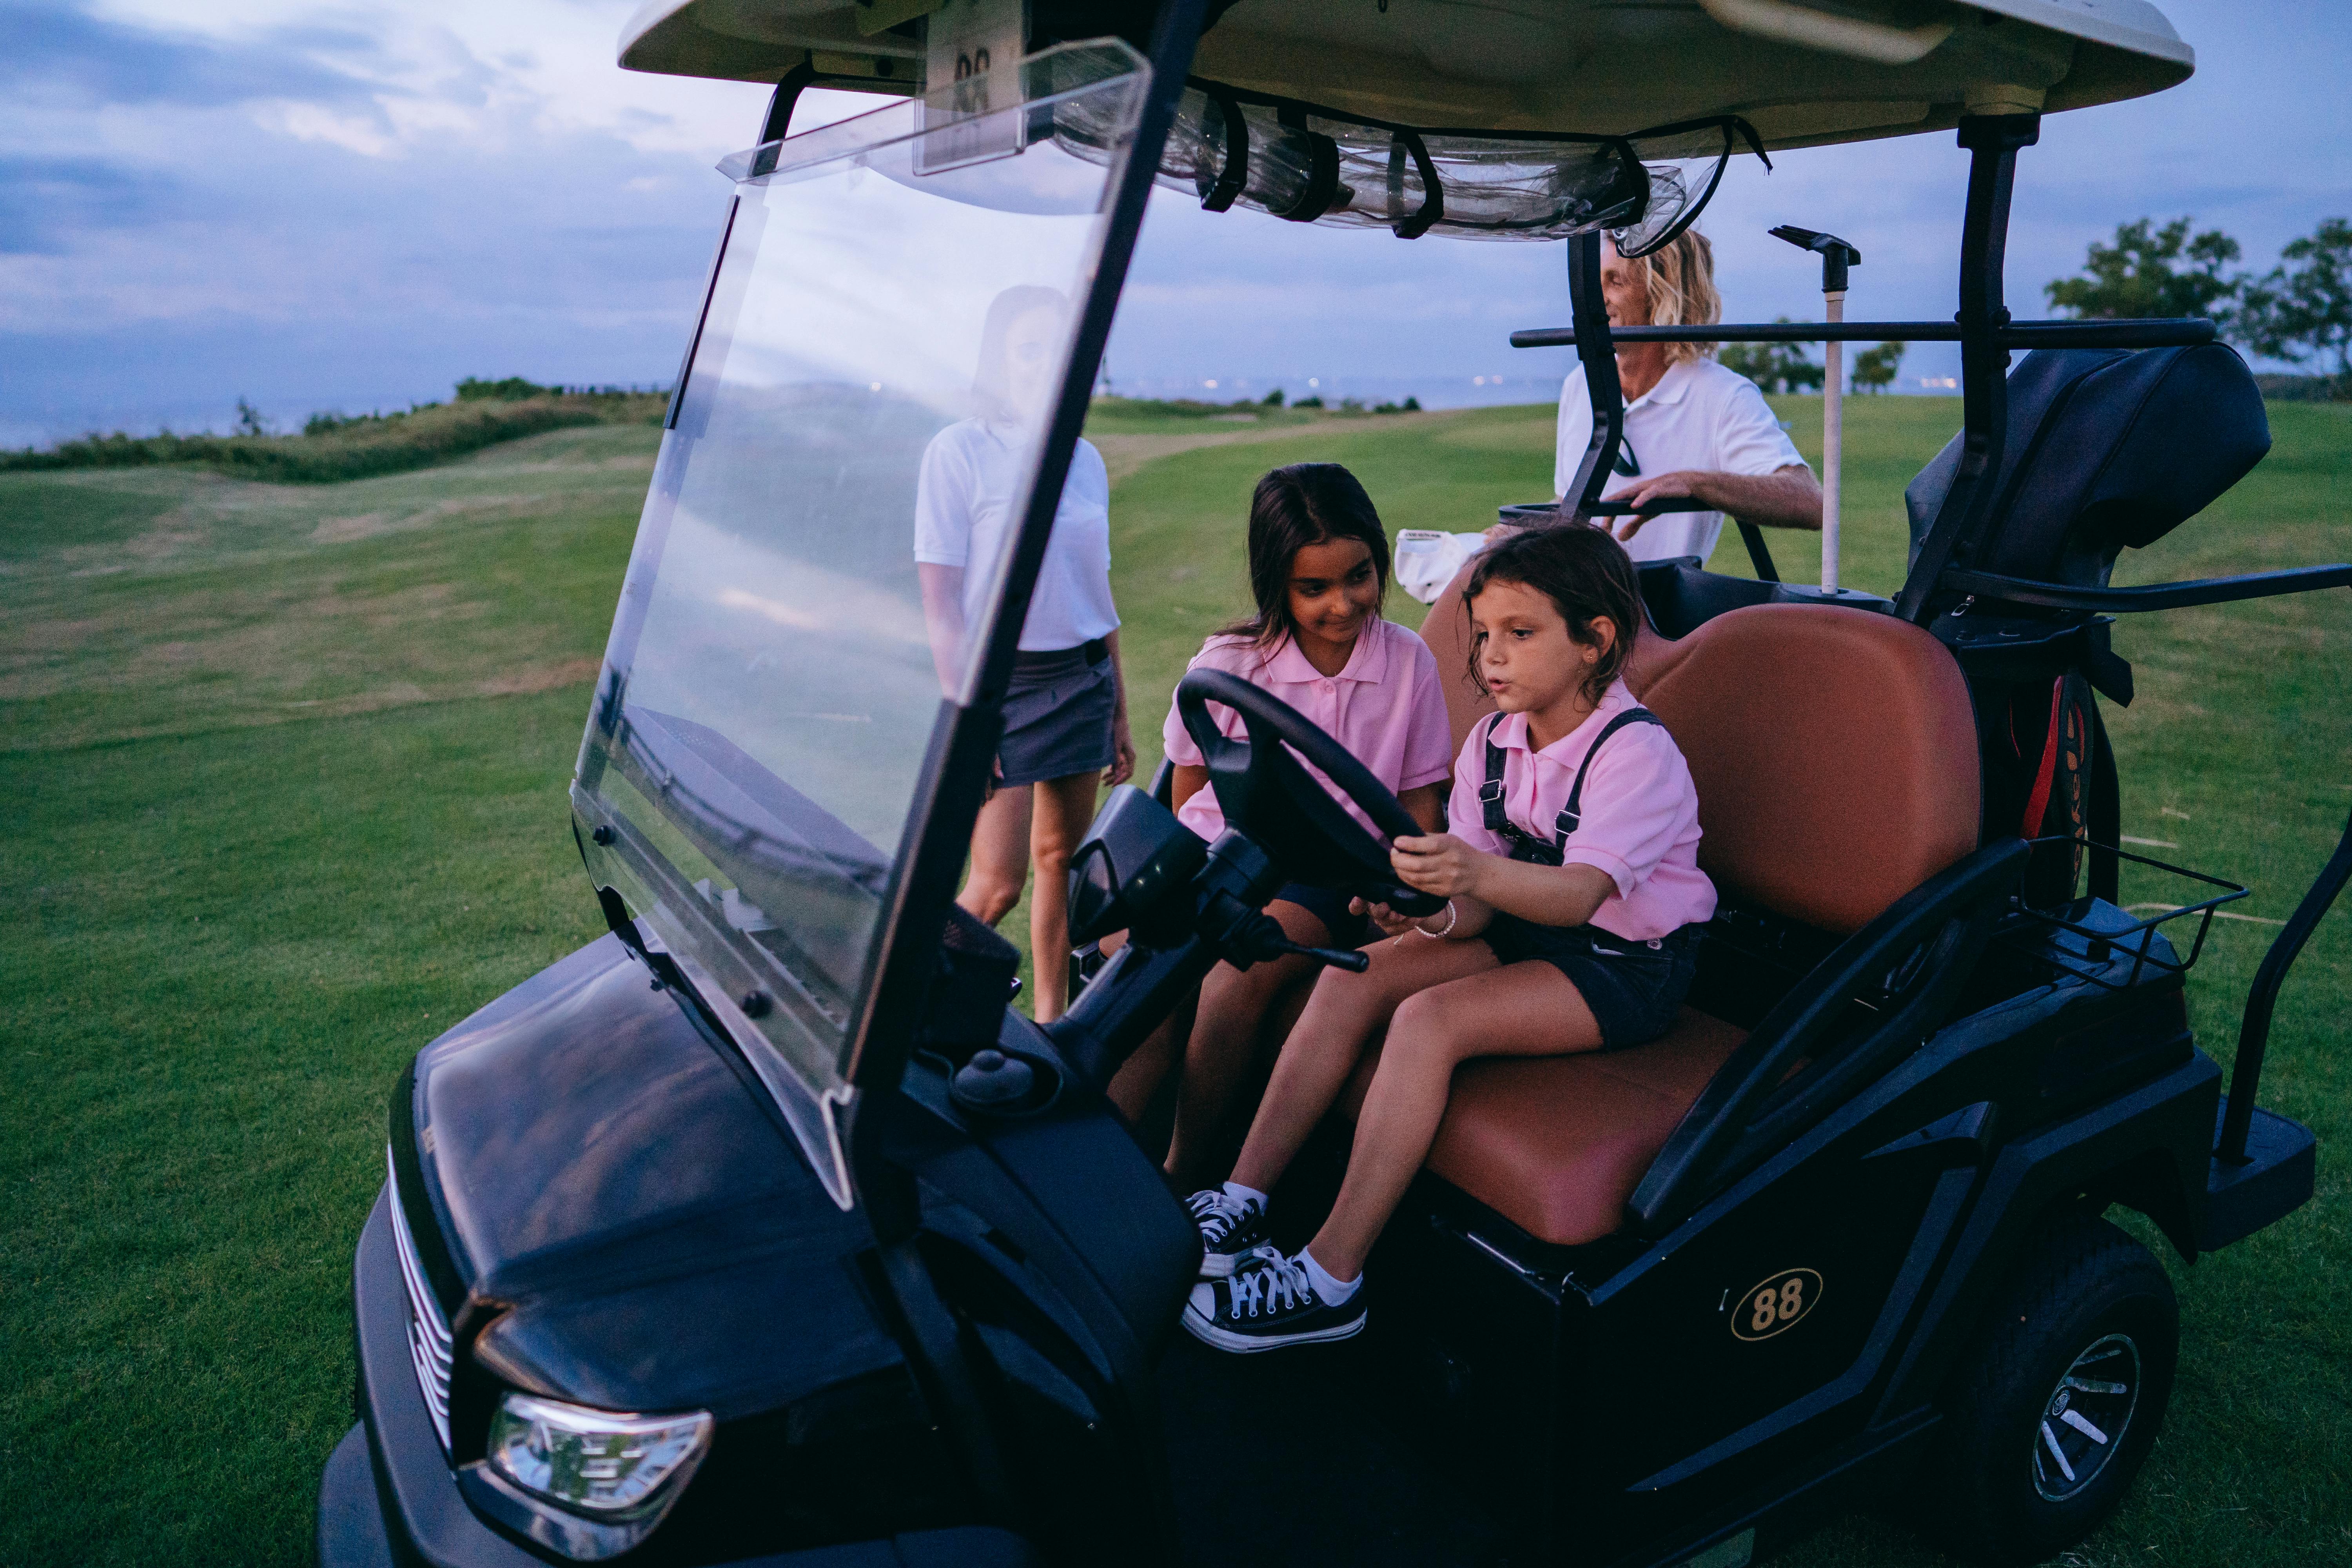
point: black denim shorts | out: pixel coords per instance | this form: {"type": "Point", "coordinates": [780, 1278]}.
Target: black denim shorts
{"type": "Point", "coordinates": [1632, 987]}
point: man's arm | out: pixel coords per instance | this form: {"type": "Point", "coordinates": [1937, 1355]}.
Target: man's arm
{"type": "Point", "coordinates": [1786, 498]}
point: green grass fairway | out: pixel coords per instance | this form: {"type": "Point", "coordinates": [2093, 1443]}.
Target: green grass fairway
{"type": "Point", "coordinates": [285, 768]}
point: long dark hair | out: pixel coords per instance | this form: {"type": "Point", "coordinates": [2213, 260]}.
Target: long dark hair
{"type": "Point", "coordinates": [1294, 507]}
{"type": "Point", "coordinates": [1586, 575]}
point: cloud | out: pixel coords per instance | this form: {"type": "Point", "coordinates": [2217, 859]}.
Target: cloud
{"type": "Point", "coordinates": [64, 54]}
{"type": "Point", "coordinates": [46, 201]}
{"type": "Point", "coordinates": [340, 207]}
{"type": "Point", "coordinates": [353, 203]}
{"type": "Point", "coordinates": [361, 133]}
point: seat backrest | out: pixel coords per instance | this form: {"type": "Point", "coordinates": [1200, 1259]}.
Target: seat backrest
{"type": "Point", "coordinates": [2104, 448]}
{"type": "Point", "coordinates": [1446, 630]}
{"type": "Point", "coordinates": [1833, 750]}
{"type": "Point", "coordinates": [1834, 753]}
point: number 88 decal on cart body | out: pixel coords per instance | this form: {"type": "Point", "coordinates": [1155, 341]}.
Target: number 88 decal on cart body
{"type": "Point", "coordinates": [1775, 1304]}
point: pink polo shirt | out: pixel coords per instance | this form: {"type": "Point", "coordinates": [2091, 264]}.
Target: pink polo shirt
{"type": "Point", "coordinates": [1385, 706]}
{"type": "Point", "coordinates": [1639, 814]}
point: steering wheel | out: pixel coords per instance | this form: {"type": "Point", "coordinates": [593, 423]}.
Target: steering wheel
{"type": "Point", "coordinates": [1276, 804]}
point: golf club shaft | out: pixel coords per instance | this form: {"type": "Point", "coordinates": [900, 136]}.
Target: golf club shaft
{"type": "Point", "coordinates": [1833, 440]}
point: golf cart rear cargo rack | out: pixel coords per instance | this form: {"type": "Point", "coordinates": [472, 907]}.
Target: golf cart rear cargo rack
{"type": "Point", "coordinates": [2087, 938]}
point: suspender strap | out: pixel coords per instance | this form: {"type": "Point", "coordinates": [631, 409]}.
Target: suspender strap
{"type": "Point", "coordinates": [1572, 814]}
{"type": "Point", "coordinates": [1490, 793]}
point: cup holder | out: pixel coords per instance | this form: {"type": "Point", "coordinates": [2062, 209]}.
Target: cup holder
{"type": "Point", "coordinates": [1002, 1083]}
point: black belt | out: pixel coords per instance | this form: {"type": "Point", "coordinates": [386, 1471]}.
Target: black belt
{"type": "Point", "coordinates": [1047, 663]}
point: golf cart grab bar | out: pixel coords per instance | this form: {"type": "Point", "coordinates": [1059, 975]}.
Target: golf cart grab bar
{"type": "Point", "coordinates": [1765, 1095]}
{"type": "Point", "coordinates": [2119, 334]}
{"type": "Point", "coordinates": [2154, 597]}
{"type": "Point", "coordinates": [1760, 555]}
{"type": "Point", "coordinates": [2254, 1030]}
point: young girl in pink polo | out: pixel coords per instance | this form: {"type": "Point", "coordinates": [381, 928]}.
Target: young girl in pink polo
{"type": "Point", "coordinates": [1318, 569]}
{"type": "Point", "coordinates": [1573, 898]}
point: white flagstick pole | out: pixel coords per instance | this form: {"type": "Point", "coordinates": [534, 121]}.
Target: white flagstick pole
{"type": "Point", "coordinates": [1833, 440]}
{"type": "Point", "coordinates": [1836, 256]}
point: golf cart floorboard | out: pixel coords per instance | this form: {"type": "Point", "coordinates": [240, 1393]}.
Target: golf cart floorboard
{"type": "Point", "coordinates": [1284, 1458]}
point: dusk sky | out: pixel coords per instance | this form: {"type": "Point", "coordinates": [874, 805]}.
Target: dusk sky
{"type": "Point", "coordinates": [350, 206]}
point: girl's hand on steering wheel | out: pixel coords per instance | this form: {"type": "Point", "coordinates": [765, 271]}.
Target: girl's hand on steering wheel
{"type": "Point", "coordinates": [1389, 922]}
{"type": "Point", "coordinates": [1438, 864]}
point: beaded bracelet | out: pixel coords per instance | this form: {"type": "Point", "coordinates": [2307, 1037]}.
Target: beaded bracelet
{"type": "Point", "coordinates": [1452, 918]}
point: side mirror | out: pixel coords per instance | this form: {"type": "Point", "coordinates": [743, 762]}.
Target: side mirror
{"type": "Point", "coordinates": [1134, 872]}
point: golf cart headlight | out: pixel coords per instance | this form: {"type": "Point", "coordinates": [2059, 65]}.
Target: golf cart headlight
{"type": "Point", "coordinates": [594, 1461]}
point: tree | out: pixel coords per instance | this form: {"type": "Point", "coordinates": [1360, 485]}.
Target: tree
{"type": "Point", "coordinates": [1775, 367]}
{"type": "Point", "coordinates": [513, 389]}
{"type": "Point", "coordinates": [1273, 398]}
{"type": "Point", "coordinates": [1874, 369]}
{"type": "Point", "coordinates": [2150, 272]}
{"type": "Point", "coordinates": [250, 421]}
{"type": "Point", "coordinates": [2302, 308]}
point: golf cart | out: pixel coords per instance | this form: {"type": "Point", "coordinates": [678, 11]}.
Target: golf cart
{"type": "Point", "coordinates": [762, 1229]}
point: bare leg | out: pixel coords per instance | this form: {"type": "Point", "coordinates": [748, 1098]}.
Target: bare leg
{"type": "Point", "coordinates": [1234, 1004]}
{"type": "Point", "coordinates": [1345, 1016]}
{"type": "Point", "coordinates": [1525, 1010]}
{"type": "Point", "coordinates": [1272, 1031]}
{"type": "Point", "coordinates": [1000, 856]}
{"type": "Point", "coordinates": [1139, 1077]}
{"type": "Point", "coordinates": [1065, 808]}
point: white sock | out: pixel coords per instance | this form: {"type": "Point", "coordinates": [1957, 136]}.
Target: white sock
{"type": "Point", "coordinates": [1246, 1195]}
{"type": "Point", "coordinates": [1329, 1292]}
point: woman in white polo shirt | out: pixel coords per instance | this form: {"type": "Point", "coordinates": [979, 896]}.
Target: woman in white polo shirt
{"type": "Point", "coordinates": [1692, 427]}
{"type": "Point", "coordinates": [1066, 709]}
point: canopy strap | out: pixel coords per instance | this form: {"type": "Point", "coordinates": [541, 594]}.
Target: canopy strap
{"type": "Point", "coordinates": [1227, 186]}
{"type": "Point", "coordinates": [1322, 186]}
{"type": "Point", "coordinates": [1433, 190]}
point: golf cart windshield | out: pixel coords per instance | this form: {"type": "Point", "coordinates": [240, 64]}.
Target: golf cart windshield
{"type": "Point", "coordinates": [890, 323]}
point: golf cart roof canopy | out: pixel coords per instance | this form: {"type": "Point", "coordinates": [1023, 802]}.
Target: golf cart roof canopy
{"type": "Point", "coordinates": [1802, 74]}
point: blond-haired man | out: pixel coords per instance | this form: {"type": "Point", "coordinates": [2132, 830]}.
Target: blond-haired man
{"type": "Point", "coordinates": [1692, 427]}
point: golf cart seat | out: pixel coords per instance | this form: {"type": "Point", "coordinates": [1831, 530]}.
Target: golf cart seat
{"type": "Point", "coordinates": [1834, 755]}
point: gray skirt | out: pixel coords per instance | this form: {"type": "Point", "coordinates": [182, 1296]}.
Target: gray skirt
{"type": "Point", "coordinates": [1057, 715]}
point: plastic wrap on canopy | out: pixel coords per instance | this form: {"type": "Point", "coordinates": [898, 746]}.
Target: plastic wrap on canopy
{"type": "Point", "coordinates": [1297, 162]}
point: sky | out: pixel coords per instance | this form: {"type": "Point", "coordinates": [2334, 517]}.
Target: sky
{"type": "Point", "coordinates": [351, 205]}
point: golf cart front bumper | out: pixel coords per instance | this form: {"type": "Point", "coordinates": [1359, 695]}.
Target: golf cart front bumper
{"type": "Point", "coordinates": [388, 1496]}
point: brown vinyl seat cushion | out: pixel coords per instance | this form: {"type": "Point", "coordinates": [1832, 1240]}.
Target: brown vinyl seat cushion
{"type": "Point", "coordinates": [1835, 760]}
{"type": "Point", "coordinates": [1557, 1144]}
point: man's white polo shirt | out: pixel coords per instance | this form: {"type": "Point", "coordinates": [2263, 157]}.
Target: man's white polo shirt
{"type": "Point", "coordinates": [1699, 415]}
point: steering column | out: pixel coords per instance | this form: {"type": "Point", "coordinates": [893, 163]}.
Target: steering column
{"type": "Point", "coordinates": [1185, 905]}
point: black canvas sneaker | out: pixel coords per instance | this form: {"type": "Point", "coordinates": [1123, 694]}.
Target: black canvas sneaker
{"type": "Point", "coordinates": [1231, 1229]}
{"type": "Point", "coordinates": [1268, 1303]}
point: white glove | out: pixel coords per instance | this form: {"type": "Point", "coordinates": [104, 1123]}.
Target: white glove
{"type": "Point", "coordinates": [1427, 560]}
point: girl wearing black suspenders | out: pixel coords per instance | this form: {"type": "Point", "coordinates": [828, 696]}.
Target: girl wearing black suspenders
{"type": "Point", "coordinates": [1573, 901]}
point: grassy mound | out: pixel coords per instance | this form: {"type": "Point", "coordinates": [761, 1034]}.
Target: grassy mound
{"type": "Point", "coordinates": [333, 447]}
